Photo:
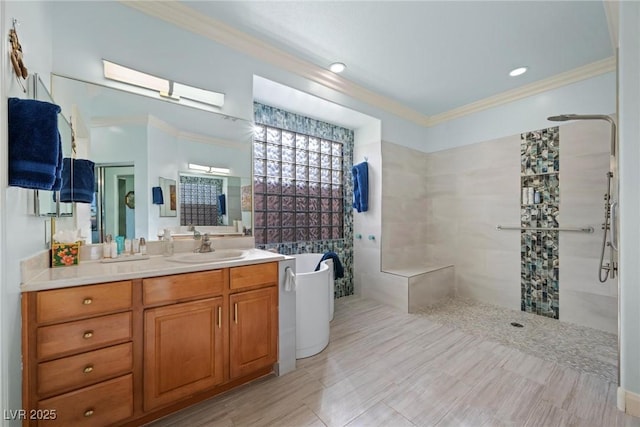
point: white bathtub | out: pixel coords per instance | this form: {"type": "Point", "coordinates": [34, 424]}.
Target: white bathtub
{"type": "Point", "coordinates": [314, 304]}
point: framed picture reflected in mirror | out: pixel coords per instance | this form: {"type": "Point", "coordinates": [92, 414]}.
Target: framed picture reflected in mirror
{"type": "Point", "coordinates": [170, 196]}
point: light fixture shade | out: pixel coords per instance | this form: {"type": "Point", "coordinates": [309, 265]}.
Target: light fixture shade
{"type": "Point", "coordinates": [165, 88]}
{"type": "Point", "coordinates": [209, 169]}
{"type": "Point", "coordinates": [122, 74]}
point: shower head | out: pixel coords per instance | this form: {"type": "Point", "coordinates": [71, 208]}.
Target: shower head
{"type": "Point", "coordinates": [562, 117]}
{"type": "Point", "coordinates": [567, 117]}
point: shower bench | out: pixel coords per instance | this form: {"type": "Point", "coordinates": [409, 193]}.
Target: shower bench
{"type": "Point", "coordinates": [427, 285]}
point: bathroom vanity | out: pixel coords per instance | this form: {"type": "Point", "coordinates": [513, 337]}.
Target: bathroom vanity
{"type": "Point", "coordinates": [155, 338]}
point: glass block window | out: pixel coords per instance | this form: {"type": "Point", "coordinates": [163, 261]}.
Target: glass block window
{"type": "Point", "coordinates": [199, 200]}
{"type": "Point", "coordinates": [297, 186]}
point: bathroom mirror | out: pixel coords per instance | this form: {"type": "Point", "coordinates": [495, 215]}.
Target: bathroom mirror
{"type": "Point", "coordinates": [45, 202]}
{"type": "Point", "coordinates": [212, 200]}
{"type": "Point", "coordinates": [160, 138]}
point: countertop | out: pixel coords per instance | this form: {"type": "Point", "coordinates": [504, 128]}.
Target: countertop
{"type": "Point", "coordinates": [92, 272]}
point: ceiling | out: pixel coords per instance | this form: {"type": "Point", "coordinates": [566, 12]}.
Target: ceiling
{"type": "Point", "coordinates": [430, 56]}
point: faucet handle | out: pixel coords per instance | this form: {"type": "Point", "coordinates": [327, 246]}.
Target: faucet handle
{"type": "Point", "coordinates": [196, 235]}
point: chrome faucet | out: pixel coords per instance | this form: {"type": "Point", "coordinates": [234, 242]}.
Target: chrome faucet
{"type": "Point", "coordinates": [205, 246]}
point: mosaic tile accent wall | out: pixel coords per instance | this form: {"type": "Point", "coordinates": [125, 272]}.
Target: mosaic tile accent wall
{"type": "Point", "coordinates": [271, 116]}
{"type": "Point", "coordinates": [540, 165]}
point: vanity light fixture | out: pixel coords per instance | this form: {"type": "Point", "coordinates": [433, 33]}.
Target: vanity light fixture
{"type": "Point", "coordinates": [165, 88]}
{"type": "Point", "coordinates": [209, 169]}
{"type": "Point", "coordinates": [337, 67]}
{"type": "Point", "coordinates": [518, 71]}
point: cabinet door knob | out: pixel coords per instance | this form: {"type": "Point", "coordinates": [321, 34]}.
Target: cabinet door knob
{"type": "Point", "coordinates": [87, 301]}
{"type": "Point", "coordinates": [87, 335]}
{"type": "Point", "coordinates": [88, 413]}
{"type": "Point", "coordinates": [88, 369]}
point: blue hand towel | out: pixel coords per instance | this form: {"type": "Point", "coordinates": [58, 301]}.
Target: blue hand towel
{"type": "Point", "coordinates": [158, 198]}
{"type": "Point", "coordinates": [222, 204]}
{"type": "Point", "coordinates": [57, 184]}
{"type": "Point", "coordinates": [338, 270]}
{"type": "Point", "coordinates": [78, 181]}
{"type": "Point", "coordinates": [361, 186]}
{"type": "Point", "coordinates": [34, 144]}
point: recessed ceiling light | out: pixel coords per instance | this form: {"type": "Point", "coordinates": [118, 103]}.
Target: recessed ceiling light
{"type": "Point", "coordinates": [518, 71]}
{"type": "Point", "coordinates": [337, 67]}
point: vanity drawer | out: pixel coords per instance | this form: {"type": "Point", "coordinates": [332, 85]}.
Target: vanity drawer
{"type": "Point", "coordinates": [82, 301]}
{"type": "Point", "coordinates": [83, 335]}
{"type": "Point", "coordinates": [254, 275]}
{"type": "Point", "coordinates": [84, 369]}
{"type": "Point", "coordinates": [182, 287]}
{"type": "Point", "coordinates": [98, 405]}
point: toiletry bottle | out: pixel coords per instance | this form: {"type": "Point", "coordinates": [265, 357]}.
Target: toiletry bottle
{"type": "Point", "coordinates": [143, 246]}
{"type": "Point", "coordinates": [536, 197]}
{"type": "Point", "coordinates": [167, 243]}
{"type": "Point", "coordinates": [127, 247]}
{"type": "Point", "coordinates": [106, 247]}
{"type": "Point", "coordinates": [114, 248]}
{"type": "Point", "coordinates": [136, 246]}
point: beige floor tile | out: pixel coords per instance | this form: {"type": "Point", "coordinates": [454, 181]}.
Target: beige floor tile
{"type": "Point", "coordinates": [380, 415]}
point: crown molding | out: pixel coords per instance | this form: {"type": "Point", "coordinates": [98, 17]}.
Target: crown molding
{"type": "Point", "coordinates": [572, 76]}
{"type": "Point", "coordinates": [189, 19]}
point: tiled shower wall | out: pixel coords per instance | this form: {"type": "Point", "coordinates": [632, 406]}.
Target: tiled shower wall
{"type": "Point", "coordinates": [276, 117]}
{"type": "Point", "coordinates": [540, 167]}
{"type": "Point", "coordinates": [471, 189]}
{"type": "Point", "coordinates": [404, 203]}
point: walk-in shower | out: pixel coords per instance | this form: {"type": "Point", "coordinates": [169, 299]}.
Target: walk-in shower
{"type": "Point", "coordinates": [609, 269]}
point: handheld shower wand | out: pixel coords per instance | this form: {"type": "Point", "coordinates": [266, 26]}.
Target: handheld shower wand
{"type": "Point", "coordinates": [608, 269]}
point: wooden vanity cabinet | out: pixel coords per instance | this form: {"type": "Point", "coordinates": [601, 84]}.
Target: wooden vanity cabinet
{"type": "Point", "coordinates": [78, 355]}
{"type": "Point", "coordinates": [126, 353]}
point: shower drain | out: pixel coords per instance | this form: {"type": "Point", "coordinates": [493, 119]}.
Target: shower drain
{"type": "Point", "coordinates": [517, 325]}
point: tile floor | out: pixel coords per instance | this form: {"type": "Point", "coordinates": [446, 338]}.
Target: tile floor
{"type": "Point", "coordinates": [386, 368]}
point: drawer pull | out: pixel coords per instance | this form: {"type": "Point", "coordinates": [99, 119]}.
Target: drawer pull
{"type": "Point", "coordinates": [88, 413]}
{"type": "Point", "coordinates": [87, 335]}
{"type": "Point", "coordinates": [87, 301]}
{"type": "Point", "coordinates": [88, 369]}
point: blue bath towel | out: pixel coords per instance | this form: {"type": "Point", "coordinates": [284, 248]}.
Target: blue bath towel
{"type": "Point", "coordinates": [158, 198]}
{"type": "Point", "coordinates": [338, 270]}
{"type": "Point", "coordinates": [34, 144]}
{"type": "Point", "coordinates": [78, 181]}
{"type": "Point", "coordinates": [361, 186]}
{"type": "Point", "coordinates": [222, 204]}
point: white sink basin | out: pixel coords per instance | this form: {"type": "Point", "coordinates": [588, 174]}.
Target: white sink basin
{"type": "Point", "coordinates": [205, 257]}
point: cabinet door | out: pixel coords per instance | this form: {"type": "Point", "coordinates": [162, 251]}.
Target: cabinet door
{"type": "Point", "coordinates": [253, 331]}
{"type": "Point", "coordinates": [182, 350]}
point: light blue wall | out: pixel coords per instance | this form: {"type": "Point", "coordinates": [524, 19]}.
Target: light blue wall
{"type": "Point", "coordinates": [22, 234]}
{"type": "Point", "coordinates": [593, 96]}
